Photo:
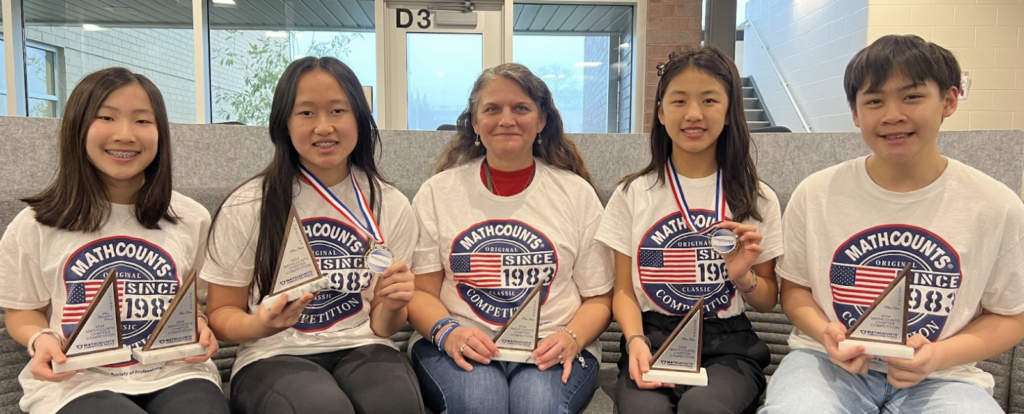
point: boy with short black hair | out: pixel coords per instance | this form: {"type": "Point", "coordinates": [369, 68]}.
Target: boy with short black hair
{"type": "Point", "coordinates": [903, 204]}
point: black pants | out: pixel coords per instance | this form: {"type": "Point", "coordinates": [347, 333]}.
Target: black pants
{"type": "Point", "coordinates": [732, 354]}
{"type": "Point", "coordinates": [194, 396]}
{"type": "Point", "coordinates": [372, 379]}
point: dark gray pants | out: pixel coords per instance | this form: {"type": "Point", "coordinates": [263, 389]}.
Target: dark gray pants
{"type": "Point", "coordinates": [372, 379]}
{"type": "Point", "coordinates": [194, 396]}
{"type": "Point", "coordinates": [732, 354]}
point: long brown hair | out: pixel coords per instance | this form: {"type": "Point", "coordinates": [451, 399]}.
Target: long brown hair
{"type": "Point", "coordinates": [279, 177]}
{"type": "Point", "coordinates": [77, 199]}
{"type": "Point", "coordinates": [556, 149]}
{"type": "Point", "coordinates": [733, 148]}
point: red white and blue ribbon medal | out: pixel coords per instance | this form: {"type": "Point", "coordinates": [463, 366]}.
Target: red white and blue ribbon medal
{"type": "Point", "coordinates": [721, 240]}
{"type": "Point", "coordinates": [378, 257]}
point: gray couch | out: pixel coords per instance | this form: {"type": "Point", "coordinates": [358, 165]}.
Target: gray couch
{"type": "Point", "coordinates": [210, 160]}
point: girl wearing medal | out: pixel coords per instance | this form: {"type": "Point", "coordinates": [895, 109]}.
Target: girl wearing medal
{"type": "Point", "coordinates": [110, 205]}
{"type": "Point", "coordinates": [696, 222]}
{"type": "Point", "coordinates": [511, 207]}
{"type": "Point", "coordinates": [328, 351]}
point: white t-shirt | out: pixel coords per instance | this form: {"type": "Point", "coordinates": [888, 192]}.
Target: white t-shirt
{"type": "Point", "coordinates": [644, 222]}
{"type": "Point", "coordinates": [338, 317]}
{"type": "Point", "coordinates": [962, 231]}
{"type": "Point", "coordinates": [494, 249]}
{"type": "Point", "coordinates": [45, 266]}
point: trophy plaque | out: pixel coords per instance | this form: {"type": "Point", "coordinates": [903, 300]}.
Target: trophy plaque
{"type": "Point", "coordinates": [96, 340]}
{"type": "Point", "coordinates": [518, 338]}
{"type": "Point", "coordinates": [298, 272]}
{"type": "Point", "coordinates": [678, 359]}
{"type": "Point", "coordinates": [882, 329]}
{"type": "Point", "coordinates": [177, 334]}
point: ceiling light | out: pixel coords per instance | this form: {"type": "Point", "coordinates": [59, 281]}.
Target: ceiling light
{"type": "Point", "coordinates": [278, 34]}
{"type": "Point", "coordinates": [91, 27]}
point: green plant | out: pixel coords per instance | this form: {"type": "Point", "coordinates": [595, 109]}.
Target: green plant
{"type": "Point", "coordinates": [262, 63]}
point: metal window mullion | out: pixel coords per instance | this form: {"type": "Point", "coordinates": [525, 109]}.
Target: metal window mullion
{"type": "Point", "coordinates": [14, 50]}
{"type": "Point", "coordinates": [201, 43]}
{"type": "Point", "coordinates": [43, 96]}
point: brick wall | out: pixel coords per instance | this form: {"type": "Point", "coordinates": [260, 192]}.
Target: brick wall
{"type": "Point", "coordinates": [670, 25]}
{"type": "Point", "coordinates": [987, 38]}
{"type": "Point", "coordinates": [163, 55]}
{"type": "Point", "coordinates": [811, 41]}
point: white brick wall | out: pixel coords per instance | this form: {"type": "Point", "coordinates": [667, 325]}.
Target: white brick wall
{"type": "Point", "coordinates": [163, 55]}
{"type": "Point", "coordinates": [811, 42]}
{"type": "Point", "coordinates": [987, 37]}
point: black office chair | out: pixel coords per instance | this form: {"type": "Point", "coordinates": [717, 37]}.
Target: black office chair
{"type": "Point", "coordinates": [777, 128]}
{"type": "Point", "coordinates": [228, 123]}
{"type": "Point", "coordinates": [447, 127]}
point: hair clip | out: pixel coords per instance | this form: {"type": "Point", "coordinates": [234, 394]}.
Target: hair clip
{"type": "Point", "coordinates": [661, 69]}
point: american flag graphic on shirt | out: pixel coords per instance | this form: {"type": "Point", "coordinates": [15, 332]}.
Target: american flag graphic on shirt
{"type": "Point", "coordinates": [668, 265]}
{"type": "Point", "coordinates": [81, 294]}
{"type": "Point", "coordinates": [860, 285]}
{"type": "Point", "coordinates": [482, 270]}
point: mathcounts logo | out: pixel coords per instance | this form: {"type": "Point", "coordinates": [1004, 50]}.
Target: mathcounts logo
{"type": "Point", "coordinates": [865, 264]}
{"type": "Point", "coordinates": [496, 263]}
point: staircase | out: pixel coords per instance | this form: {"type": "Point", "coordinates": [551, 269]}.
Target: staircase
{"type": "Point", "coordinates": [757, 115]}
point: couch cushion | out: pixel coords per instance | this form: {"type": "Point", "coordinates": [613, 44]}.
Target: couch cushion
{"type": "Point", "coordinates": [1016, 389]}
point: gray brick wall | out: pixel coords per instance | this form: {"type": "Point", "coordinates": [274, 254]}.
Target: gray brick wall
{"type": "Point", "coordinates": [163, 55]}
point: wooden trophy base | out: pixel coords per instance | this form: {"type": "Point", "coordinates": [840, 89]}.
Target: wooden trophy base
{"type": "Point", "coordinates": [879, 349]}
{"type": "Point", "coordinates": [515, 355]}
{"type": "Point", "coordinates": [75, 363]}
{"type": "Point", "coordinates": [697, 379]}
{"type": "Point", "coordinates": [156, 356]}
{"type": "Point", "coordinates": [297, 292]}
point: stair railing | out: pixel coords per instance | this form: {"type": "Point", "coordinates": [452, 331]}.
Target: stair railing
{"type": "Point", "coordinates": [785, 84]}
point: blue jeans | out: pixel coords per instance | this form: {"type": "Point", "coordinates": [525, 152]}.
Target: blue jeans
{"type": "Point", "coordinates": [501, 387]}
{"type": "Point", "coordinates": [808, 382]}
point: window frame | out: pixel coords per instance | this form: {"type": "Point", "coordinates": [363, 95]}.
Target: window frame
{"type": "Point", "coordinates": [58, 78]}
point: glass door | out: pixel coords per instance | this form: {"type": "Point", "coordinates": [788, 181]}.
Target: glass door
{"type": "Point", "coordinates": [434, 52]}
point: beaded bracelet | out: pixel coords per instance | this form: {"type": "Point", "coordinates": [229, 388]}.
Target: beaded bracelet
{"type": "Point", "coordinates": [752, 287]}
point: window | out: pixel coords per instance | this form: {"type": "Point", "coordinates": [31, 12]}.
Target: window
{"type": "Point", "coordinates": [251, 43]}
{"type": "Point", "coordinates": [41, 75]}
{"type": "Point", "coordinates": [152, 38]}
{"type": "Point", "coordinates": [41, 61]}
{"type": "Point", "coordinates": [583, 53]}
{"type": "Point", "coordinates": [441, 77]}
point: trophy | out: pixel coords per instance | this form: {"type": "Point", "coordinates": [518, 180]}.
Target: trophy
{"type": "Point", "coordinates": [678, 359]}
{"type": "Point", "coordinates": [298, 272]}
{"type": "Point", "coordinates": [882, 329]}
{"type": "Point", "coordinates": [518, 338]}
{"type": "Point", "coordinates": [177, 334]}
{"type": "Point", "coordinates": [96, 340]}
